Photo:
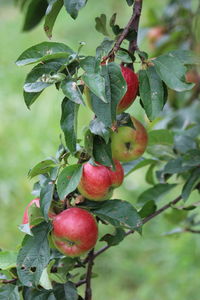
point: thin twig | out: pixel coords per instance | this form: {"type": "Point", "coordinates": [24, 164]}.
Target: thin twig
{"type": "Point", "coordinates": [137, 9]}
{"type": "Point", "coordinates": [192, 230]}
{"type": "Point", "coordinates": [88, 290]}
{"type": "Point", "coordinates": [9, 281]}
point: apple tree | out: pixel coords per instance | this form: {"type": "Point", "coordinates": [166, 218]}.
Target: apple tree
{"type": "Point", "coordinates": [72, 190]}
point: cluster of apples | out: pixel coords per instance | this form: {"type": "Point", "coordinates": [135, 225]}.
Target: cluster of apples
{"type": "Point", "coordinates": [75, 230]}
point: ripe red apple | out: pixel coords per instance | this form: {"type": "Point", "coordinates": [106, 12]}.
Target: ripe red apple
{"type": "Point", "coordinates": [35, 201]}
{"type": "Point", "coordinates": [97, 182]}
{"type": "Point", "coordinates": [128, 143]}
{"type": "Point", "coordinates": [130, 95]}
{"type": "Point", "coordinates": [132, 89]}
{"type": "Point", "coordinates": [75, 231]}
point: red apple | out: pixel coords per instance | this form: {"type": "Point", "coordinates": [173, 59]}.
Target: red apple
{"type": "Point", "coordinates": [132, 89]}
{"type": "Point", "coordinates": [128, 143]}
{"type": "Point", "coordinates": [35, 201]}
{"type": "Point", "coordinates": [97, 182]}
{"type": "Point", "coordinates": [192, 76]}
{"type": "Point", "coordinates": [75, 231]}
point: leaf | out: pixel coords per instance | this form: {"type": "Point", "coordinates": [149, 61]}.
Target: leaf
{"type": "Point", "coordinates": [172, 72]}
{"type": "Point", "coordinates": [30, 98]}
{"type": "Point", "coordinates": [102, 151]}
{"type": "Point", "coordinates": [34, 14]}
{"type": "Point", "coordinates": [186, 57]}
{"type": "Point", "coordinates": [8, 259]}
{"type": "Point", "coordinates": [130, 2]}
{"type": "Point", "coordinates": [115, 90]}
{"type": "Point", "coordinates": [34, 255]}
{"type": "Point", "coordinates": [52, 12]}
{"type": "Point", "coordinates": [190, 184]}
{"type": "Point", "coordinates": [43, 52]}
{"type": "Point", "coordinates": [124, 56]}
{"type": "Point", "coordinates": [90, 64]}
{"type": "Point", "coordinates": [160, 137]}
{"type": "Point", "coordinates": [155, 193]}
{"type": "Point", "coordinates": [42, 167]}
{"type": "Point", "coordinates": [66, 291]}
{"type": "Point", "coordinates": [9, 292]}
{"type": "Point", "coordinates": [71, 91]}
{"type": "Point", "coordinates": [35, 216]}
{"type": "Point", "coordinates": [73, 6]}
{"type": "Point", "coordinates": [119, 213]}
{"type": "Point", "coordinates": [191, 158]}
{"type": "Point", "coordinates": [98, 128]}
{"type": "Point", "coordinates": [151, 92]}
{"type": "Point", "coordinates": [184, 143]}
{"type": "Point", "coordinates": [104, 48]}
{"type": "Point", "coordinates": [68, 123]}
{"type": "Point", "coordinates": [46, 197]}
{"type": "Point", "coordinates": [96, 83]}
{"type": "Point", "coordinates": [68, 180]}
{"type": "Point", "coordinates": [45, 281]}
{"type": "Point", "coordinates": [42, 76]}
{"type": "Point", "coordinates": [35, 294]}
{"type": "Point", "coordinates": [131, 166]}
{"type": "Point", "coordinates": [114, 239]}
{"type": "Point", "coordinates": [100, 25]}
{"type": "Point", "coordinates": [148, 209]}
{"type": "Point", "coordinates": [149, 177]}
{"type": "Point", "coordinates": [175, 166]}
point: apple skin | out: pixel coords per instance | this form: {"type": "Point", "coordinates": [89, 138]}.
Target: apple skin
{"type": "Point", "coordinates": [36, 201]}
{"type": "Point", "coordinates": [128, 143]}
{"type": "Point", "coordinates": [192, 76]}
{"type": "Point", "coordinates": [132, 89]}
{"type": "Point", "coordinates": [25, 219]}
{"type": "Point", "coordinates": [97, 182]}
{"type": "Point", "coordinates": [75, 231]}
{"type": "Point", "coordinates": [130, 95]}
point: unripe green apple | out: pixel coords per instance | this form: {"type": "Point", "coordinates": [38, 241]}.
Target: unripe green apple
{"type": "Point", "coordinates": [75, 231]}
{"type": "Point", "coordinates": [130, 95]}
{"type": "Point", "coordinates": [128, 143]}
{"type": "Point", "coordinates": [97, 182]}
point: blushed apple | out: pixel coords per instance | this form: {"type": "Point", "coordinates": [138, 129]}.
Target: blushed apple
{"type": "Point", "coordinates": [97, 182]}
{"type": "Point", "coordinates": [128, 143]}
{"type": "Point", "coordinates": [75, 231]}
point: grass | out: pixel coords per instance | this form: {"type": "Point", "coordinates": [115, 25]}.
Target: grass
{"type": "Point", "coordinates": [141, 268]}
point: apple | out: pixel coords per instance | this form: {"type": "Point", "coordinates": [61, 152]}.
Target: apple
{"type": "Point", "coordinates": [128, 143]}
{"type": "Point", "coordinates": [130, 95]}
{"type": "Point", "coordinates": [36, 202]}
{"type": "Point", "coordinates": [75, 231]}
{"type": "Point", "coordinates": [132, 89]}
{"type": "Point", "coordinates": [97, 182]}
{"type": "Point", "coordinates": [155, 33]}
{"type": "Point", "coordinates": [192, 76]}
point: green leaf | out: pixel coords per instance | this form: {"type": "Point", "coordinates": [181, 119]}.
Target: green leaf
{"type": "Point", "coordinates": [98, 128]}
{"type": "Point", "coordinates": [148, 209]}
{"type": "Point", "coordinates": [66, 291]}
{"type": "Point", "coordinates": [190, 184]}
{"type": "Point", "coordinates": [45, 281]}
{"type": "Point", "coordinates": [186, 57]}
{"type": "Point", "coordinates": [8, 259]}
{"type": "Point", "coordinates": [42, 76]}
{"type": "Point", "coordinates": [155, 193]}
{"type": "Point", "coordinates": [131, 166]}
{"type": "Point", "coordinates": [71, 91]}
{"type": "Point", "coordinates": [115, 90]}
{"type": "Point", "coordinates": [37, 294]}
{"type": "Point", "coordinates": [101, 24]}
{"type": "Point", "coordinates": [104, 48]}
{"type": "Point", "coordinates": [73, 6]}
{"type": "Point", "coordinates": [34, 255]}
{"type": "Point", "coordinates": [176, 216]}
{"type": "Point", "coordinates": [184, 143]}
{"type": "Point", "coordinates": [51, 14]}
{"type": "Point", "coordinates": [102, 151]}
{"type": "Point", "coordinates": [160, 137]}
{"type": "Point", "coordinates": [172, 72]}
{"type": "Point", "coordinates": [114, 239]}
{"type": "Point", "coordinates": [30, 98]}
{"type": "Point", "coordinates": [68, 180]}
{"type": "Point", "coordinates": [9, 292]}
{"type": "Point", "coordinates": [96, 83]}
{"type": "Point", "coordinates": [191, 158]}
{"type": "Point", "coordinates": [149, 177]}
{"type": "Point", "coordinates": [46, 197]}
{"type": "Point", "coordinates": [124, 56]}
{"type": "Point", "coordinates": [68, 123]}
{"type": "Point", "coordinates": [43, 52]}
{"type": "Point", "coordinates": [175, 166]}
{"type": "Point", "coordinates": [42, 167]}
{"type": "Point", "coordinates": [35, 215]}
{"type": "Point", "coordinates": [90, 64]}
{"type": "Point", "coordinates": [130, 2]}
{"type": "Point", "coordinates": [151, 92]}
{"type": "Point", "coordinates": [119, 213]}
{"type": "Point", "coordinates": [34, 14]}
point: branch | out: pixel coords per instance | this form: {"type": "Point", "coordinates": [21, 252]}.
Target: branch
{"type": "Point", "coordinates": [5, 281]}
{"type": "Point", "coordinates": [88, 290]}
{"type": "Point", "coordinates": [192, 230]}
{"type": "Point", "coordinates": [132, 25]}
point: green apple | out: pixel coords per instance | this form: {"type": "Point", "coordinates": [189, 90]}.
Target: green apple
{"type": "Point", "coordinates": [129, 143]}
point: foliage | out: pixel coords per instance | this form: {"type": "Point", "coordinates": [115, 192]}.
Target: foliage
{"type": "Point", "coordinates": [172, 155]}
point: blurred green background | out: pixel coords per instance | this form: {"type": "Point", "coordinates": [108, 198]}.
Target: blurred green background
{"type": "Point", "coordinates": [141, 268]}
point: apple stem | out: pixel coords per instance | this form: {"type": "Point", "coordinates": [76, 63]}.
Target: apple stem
{"type": "Point", "coordinates": [88, 289]}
